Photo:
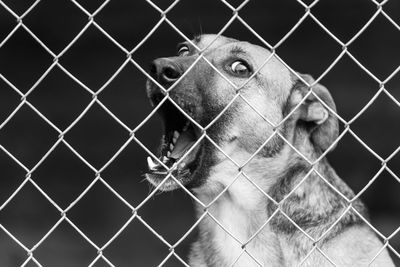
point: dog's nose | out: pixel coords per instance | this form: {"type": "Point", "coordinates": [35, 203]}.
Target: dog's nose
{"type": "Point", "coordinates": [165, 70]}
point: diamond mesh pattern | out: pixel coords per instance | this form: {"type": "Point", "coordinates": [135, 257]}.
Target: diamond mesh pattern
{"type": "Point", "coordinates": [133, 138]}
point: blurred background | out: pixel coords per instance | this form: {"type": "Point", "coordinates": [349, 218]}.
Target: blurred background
{"type": "Point", "coordinates": [93, 59]}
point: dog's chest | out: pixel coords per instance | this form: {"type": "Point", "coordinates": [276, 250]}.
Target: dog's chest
{"type": "Point", "coordinates": [261, 248]}
{"type": "Point", "coordinates": [223, 241]}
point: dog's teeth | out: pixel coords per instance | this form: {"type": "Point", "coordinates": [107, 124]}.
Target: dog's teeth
{"type": "Point", "coordinates": [168, 153]}
{"type": "Point", "coordinates": [151, 163]}
{"type": "Point", "coordinates": [165, 159]}
{"type": "Point", "coordinates": [171, 147]}
{"type": "Point", "coordinates": [175, 137]}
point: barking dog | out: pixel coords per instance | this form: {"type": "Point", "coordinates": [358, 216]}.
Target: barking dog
{"type": "Point", "coordinates": [308, 206]}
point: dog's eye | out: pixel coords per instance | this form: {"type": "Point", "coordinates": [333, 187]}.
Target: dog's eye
{"type": "Point", "coordinates": [240, 68]}
{"type": "Point", "coordinates": [183, 51]}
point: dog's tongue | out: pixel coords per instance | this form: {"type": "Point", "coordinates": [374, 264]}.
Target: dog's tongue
{"type": "Point", "coordinates": [184, 142]}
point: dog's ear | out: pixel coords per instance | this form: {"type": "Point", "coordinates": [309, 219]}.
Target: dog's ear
{"type": "Point", "coordinates": [322, 124]}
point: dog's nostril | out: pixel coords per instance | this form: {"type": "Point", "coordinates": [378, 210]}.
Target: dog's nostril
{"type": "Point", "coordinates": [153, 69]}
{"type": "Point", "coordinates": [171, 73]}
{"type": "Point", "coordinates": [164, 70]}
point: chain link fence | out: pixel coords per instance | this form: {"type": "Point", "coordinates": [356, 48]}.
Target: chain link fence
{"type": "Point", "coordinates": [98, 171]}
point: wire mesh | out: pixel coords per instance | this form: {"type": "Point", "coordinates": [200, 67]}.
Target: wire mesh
{"type": "Point", "coordinates": [132, 132]}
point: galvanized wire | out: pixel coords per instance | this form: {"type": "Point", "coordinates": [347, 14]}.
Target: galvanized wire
{"type": "Point", "coordinates": [97, 172]}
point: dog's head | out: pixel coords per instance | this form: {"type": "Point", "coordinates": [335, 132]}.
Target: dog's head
{"type": "Point", "coordinates": [239, 126]}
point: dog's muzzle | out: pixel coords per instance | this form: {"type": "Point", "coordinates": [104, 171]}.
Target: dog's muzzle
{"type": "Point", "coordinates": [176, 151]}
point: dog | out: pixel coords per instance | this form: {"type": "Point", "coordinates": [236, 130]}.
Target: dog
{"type": "Point", "coordinates": [266, 205]}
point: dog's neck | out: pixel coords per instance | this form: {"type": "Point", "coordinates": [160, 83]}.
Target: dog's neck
{"type": "Point", "coordinates": [242, 210]}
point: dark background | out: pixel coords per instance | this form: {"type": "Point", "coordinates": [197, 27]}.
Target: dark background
{"type": "Point", "coordinates": [93, 59]}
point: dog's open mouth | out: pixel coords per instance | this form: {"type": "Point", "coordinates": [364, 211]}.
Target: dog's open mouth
{"type": "Point", "coordinates": [178, 150]}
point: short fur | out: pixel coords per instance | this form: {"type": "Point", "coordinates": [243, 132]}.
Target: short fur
{"type": "Point", "coordinates": [308, 203]}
